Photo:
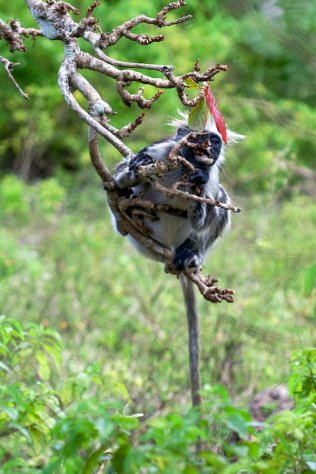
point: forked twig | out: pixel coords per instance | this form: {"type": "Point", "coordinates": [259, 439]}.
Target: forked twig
{"type": "Point", "coordinates": [8, 65]}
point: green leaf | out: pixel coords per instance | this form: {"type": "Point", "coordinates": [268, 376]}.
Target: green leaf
{"type": "Point", "coordinates": [238, 420]}
{"type": "Point", "coordinates": [52, 466]}
{"type": "Point", "coordinates": [9, 467]}
{"type": "Point", "coordinates": [11, 412]}
{"type": "Point", "coordinates": [189, 469]}
{"type": "Point", "coordinates": [191, 83]}
{"type": "Point", "coordinates": [93, 460]}
{"type": "Point", "coordinates": [214, 460]}
{"type": "Point", "coordinates": [43, 366]}
{"type": "Point", "coordinates": [127, 422]}
{"type": "Point", "coordinates": [309, 279]}
{"type": "Point", "coordinates": [4, 367]}
{"type": "Point", "coordinates": [119, 458]}
{"type": "Point", "coordinates": [198, 116]}
{"type": "Point", "coordinates": [21, 429]}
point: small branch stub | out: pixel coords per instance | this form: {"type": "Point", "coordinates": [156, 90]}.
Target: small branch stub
{"type": "Point", "coordinates": [8, 66]}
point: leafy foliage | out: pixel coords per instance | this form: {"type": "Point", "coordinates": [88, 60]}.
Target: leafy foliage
{"type": "Point", "coordinates": [47, 433]}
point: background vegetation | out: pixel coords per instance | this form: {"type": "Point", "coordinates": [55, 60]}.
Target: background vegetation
{"type": "Point", "coordinates": [93, 333]}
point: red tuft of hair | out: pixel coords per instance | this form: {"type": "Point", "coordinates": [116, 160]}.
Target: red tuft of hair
{"type": "Point", "coordinates": [218, 118]}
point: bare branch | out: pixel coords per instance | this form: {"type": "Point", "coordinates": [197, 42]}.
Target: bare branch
{"type": "Point", "coordinates": [156, 170]}
{"type": "Point", "coordinates": [125, 224]}
{"type": "Point", "coordinates": [11, 37]}
{"type": "Point", "coordinates": [144, 40]}
{"type": "Point", "coordinates": [209, 73]}
{"type": "Point", "coordinates": [98, 163]}
{"type": "Point", "coordinates": [86, 61]}
{"type": "Point", "coordinates": [168, 8]}
{"type": "Point", "coordinates": [125, 204]}
{"type": "Point", "coordinates": [127, 129]}
{"type": "Point", "coordinates": [205, 284]}
{"type": "Point", "coordinates": [206, 287]}
{"type": "Point", "coordinates": [174, 192]}
{"type": "Point", "coordinates": [129, 98]}
{"type": "Point", "coordinates": [62, 7]}
{"type": "Point", "coordinates": [12, 33]}
{"type": "Point", "coordinates": [123, 30]}
{"type": "Point", "coordinates": [7, 66]}
{"type": "Point", "coordinates": [127, 64]}
{"type": "Point", "coordinates": [97, 105]}
{"type": "Point", "coordinates": [92, 7]}
{"type": "Point", "coordinates": [66, 72]}
{"type": "Point", "coordinates": [18, 28]}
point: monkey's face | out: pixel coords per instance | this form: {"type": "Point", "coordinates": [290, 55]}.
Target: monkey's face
{"type": "Point", "coordinates": [210, 145]}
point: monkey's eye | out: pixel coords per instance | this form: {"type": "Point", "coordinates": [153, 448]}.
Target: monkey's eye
{"type": "Point", "coordinates": [215, 140]}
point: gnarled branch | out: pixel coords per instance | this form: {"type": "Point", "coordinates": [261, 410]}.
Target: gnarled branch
{"type": "Point", "coordinates": [55, 22]}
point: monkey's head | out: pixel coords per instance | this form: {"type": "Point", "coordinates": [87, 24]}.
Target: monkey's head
{"type": "Point", "coordinates": [208, 145]}
{"type": "Point", "coordinates": [216, 146]}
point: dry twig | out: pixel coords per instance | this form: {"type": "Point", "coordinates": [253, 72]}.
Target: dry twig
{"type": "Point", "coordinates": [8, 65]}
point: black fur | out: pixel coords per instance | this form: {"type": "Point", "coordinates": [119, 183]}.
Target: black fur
{"type": "Point", "coordinates": [141, 159]}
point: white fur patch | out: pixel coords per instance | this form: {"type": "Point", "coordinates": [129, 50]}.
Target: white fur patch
{"type": "Point", "coordinates": [159, 151]}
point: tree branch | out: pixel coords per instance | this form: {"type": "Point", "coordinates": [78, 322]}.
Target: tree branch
{"type": "Point", "coordinates": [56, 23]}
{"type": "Point", "coordinates": [12, 33]}
{"type": "Point", "coordinates": [8, 65]}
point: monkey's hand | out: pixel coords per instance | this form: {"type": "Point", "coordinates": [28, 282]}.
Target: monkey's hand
{"type": "Point", "coordinates": [200, 177]}
{"type": "Point", "coordinates": [141, 159]}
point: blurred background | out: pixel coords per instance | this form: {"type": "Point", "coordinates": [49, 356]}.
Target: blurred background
{"type": "Point", "coordinates": [62, 265]}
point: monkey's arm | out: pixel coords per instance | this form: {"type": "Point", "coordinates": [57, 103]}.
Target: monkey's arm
{"type": "Point", "coordinates": [126, 172]}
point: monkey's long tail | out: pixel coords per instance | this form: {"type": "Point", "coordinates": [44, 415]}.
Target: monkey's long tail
{"type": "Point", "coordinates": [194, 337]}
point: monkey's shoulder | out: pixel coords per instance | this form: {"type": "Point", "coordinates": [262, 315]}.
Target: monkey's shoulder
{"type": "Point", "coordinates": [158, 150]}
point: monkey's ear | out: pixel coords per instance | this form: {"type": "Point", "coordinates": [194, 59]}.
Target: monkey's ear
{"type": "Point", "coordinates": [182, 132]}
